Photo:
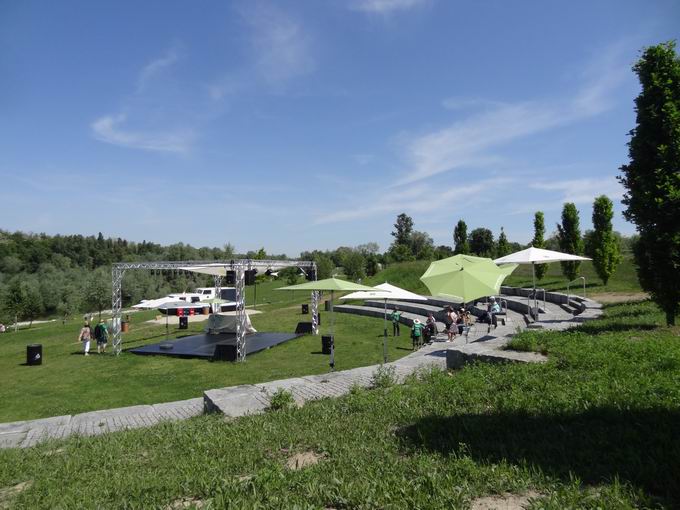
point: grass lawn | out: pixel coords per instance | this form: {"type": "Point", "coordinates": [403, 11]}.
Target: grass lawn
{"type": "Point", "coordinates": [595, 427]}
{"type": "Point", "coordinates": [69, 383]}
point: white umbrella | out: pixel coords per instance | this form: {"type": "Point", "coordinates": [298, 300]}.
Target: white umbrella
{"type": "Point", "coordinates": [535, 256]}
{"type": "Point", "coordinates": [385, 291]}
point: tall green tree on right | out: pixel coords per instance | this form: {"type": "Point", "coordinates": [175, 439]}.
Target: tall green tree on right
{"type": "Point", "coordinates": [605, 246]}
{"type": "Point", "coordinates": [539, 242]}
{"type": "Point", "coordinates": [460, 239]}
{"type": "Point", "coordinates": [652, 177]}
{"type": "Point", "coordinates": [569, 239]}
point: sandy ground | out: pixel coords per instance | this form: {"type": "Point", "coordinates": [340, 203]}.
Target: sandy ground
{"type": "Point", "coordinates": [174, 320]}
{"type": "Point", "coordinates": [618, 297]}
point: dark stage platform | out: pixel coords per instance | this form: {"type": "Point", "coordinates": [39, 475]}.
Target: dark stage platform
{"type": "Point", "coordinates": [221, 346]}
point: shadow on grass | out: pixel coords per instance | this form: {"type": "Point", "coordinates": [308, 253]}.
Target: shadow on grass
{"type": "Point", "coordinates": [641, 447]}
{"type": "Point", "coordinates": [593, 328]}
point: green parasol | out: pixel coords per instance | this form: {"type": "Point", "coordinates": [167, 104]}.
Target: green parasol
{"type": "Point", "coordinates": [329, 284]}
{"type": "Point", "coordinates": [465, 277]}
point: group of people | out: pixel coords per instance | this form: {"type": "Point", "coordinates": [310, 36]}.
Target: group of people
{"type": "Point", "coordinates": [100, 333]}
{"type": "Point", "coordinates": [455, 321]}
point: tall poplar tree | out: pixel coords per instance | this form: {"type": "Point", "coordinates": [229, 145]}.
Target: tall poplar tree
{"type": "Point", "coordinates": [606, 254]}
{"type": "Point", "coordinates": [652, 177]}
{"type": "Point", "coordinates": [460, 239]}
{"type": "Point", "coordinates": [569, 239]}
{"type": "Point", "coordinates": [502, 247]}
{"type": "Point", "coordinates": [539, 242]}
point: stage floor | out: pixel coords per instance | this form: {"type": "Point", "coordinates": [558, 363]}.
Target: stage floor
{"type": "Point", "coordinates": [203, 345]}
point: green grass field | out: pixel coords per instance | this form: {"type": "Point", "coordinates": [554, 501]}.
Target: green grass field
{"type": "Point", "coordinates": [69, 383]}
{"type": "Point", "coordinates": [595, 427]}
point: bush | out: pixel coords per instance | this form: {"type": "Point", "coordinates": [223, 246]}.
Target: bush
{"type": "Point", "coordinates": [384, 377]}
{"type": "Point", "coordinates": [281, 400]}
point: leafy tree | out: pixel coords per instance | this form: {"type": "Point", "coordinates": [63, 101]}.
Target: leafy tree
{"type": "Point", "coordinates": [460, 239]}
{"type": "Point", "coordinates": [652, 179]}
{"type": "Point", "coordinates": [503, 246]}
{"type": "Point", "coordinates": [569, 238]}
{"type": "Point", "coordinates": [403, 229]}
{"type": "Point", "coordinates": [354, 264]}
{"type": "Point", "coordinates": [422, 245]}
{"type": "Point", "coordinates": [372, 264]}
{"type": "Point", "coordinates": [605, 247]}
{"type": "Point", "coordinates": [481, 242]}
{"type": "Point", "coordinates": [291, 275]}
{"type": "Point", "coordinates": [400, 253]}
{"type": "Point", "coordinates": [98, 290]}
{"type": "Point", "coordinates": [33, 305]}
{"type": "Point", "coordinates": [15, 300]}
{"type": "Point", "coordinates": [324, 266]}
{"type": "Point", "coordinates": [539, 242]}
{"type": "Point", "coordinates": [443, 252]}
{"type": "Point", "coordinates": [371, 248]}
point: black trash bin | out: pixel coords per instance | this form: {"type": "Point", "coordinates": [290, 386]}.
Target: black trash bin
{"type": "Point", "coordinates": [327, 306]}
{"type": "Point", "coordinates": [305, 308]}
{"type": "Point", "coordinates": [184, 323]}
{"type": "Point", "coordinates": [326, 343]}
{"type": "Point", "coordinates": [34, 354]}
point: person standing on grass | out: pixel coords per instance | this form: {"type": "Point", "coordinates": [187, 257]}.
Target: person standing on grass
{"type": "Point", "coordinates": [85, 336]}
{"type": "Point", "coordinates": [395, 316]}
{"type": "Point", "coordinates": [101, 334]}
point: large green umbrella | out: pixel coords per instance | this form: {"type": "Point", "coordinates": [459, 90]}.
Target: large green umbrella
{"type": "Point", "coordinates": [465, 278]}
{"type": "Point", "coordinates": [329, 284]}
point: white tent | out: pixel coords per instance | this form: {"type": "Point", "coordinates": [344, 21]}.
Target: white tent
{"type": "Point", "coordinates": [385, 291]}
{"type": "Point", "coordinates": [535, 256]}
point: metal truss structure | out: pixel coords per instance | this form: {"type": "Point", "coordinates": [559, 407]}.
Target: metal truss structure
{"type": "Point", "coordinates": [239, 266]}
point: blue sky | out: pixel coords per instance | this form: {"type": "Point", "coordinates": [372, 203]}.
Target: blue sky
{"type": "Point", "coordinates": [295, 125]}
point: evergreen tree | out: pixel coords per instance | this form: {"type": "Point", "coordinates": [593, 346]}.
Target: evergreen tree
{"type": "Point", "coordinates": [503, 246]}
{"type": "Point", "coordinates": [569, 238]}
{"type": "Point", "coordinates": [652, 179]}
{"type": "Point", "coordinates": [460, 239]}
{"type": "Point", "coordinates": [481, 242]}
{"type": "Point", "coordinates": [605, 246]}
{"type": "Point", "coordinates": [539, 242]}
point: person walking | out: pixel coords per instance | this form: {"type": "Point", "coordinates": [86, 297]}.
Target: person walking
{"type": "Point", "coordinates": [101, 335]}
{"type": "Point", "coordinates": [395, 316]}
{"type": "Point", "coordinates": [85, 336]}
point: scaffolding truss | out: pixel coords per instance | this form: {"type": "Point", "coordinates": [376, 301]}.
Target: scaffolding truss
{"type": "Point", "coordinates": [239, 266]}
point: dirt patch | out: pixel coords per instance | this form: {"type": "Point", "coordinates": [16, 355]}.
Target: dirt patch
{"type": "Point", "coordinates": [504, 501]}
{"type": "Point", "coordinates": [303, 460]}
{"type": "Point", "coordinates": [618, 297]}
{"type": "Point", "coordinates": [7, 494]}
{"type": "Point", "coordinates": [182, 503]}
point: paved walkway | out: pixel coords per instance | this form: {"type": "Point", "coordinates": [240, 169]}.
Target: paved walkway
{"type": "Point", "coordinates": [254, 398]}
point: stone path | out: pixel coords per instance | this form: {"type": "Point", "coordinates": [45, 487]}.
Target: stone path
{"type": "Point", "coordinates": [30, 433]}
{"type": "Point", "coordinates": [255, 398]}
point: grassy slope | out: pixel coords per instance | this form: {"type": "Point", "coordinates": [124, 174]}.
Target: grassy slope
{"type": "Point", "coordinates": [595, 427]}
{"type": "Point", "coordinates": [69, 383]}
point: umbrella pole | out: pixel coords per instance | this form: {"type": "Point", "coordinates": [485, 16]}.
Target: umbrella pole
{"type": "Point", "coordinates": [332, 362]}
{"type": "Point", "coordinates": [385, 334]}
{"type": "Point", "coordinates": [533, 278]}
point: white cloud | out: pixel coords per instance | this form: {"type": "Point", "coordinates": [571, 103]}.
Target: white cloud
{"type": "Point", "coordinates": [419, 198]}
{"type": "Point", "coordinates": [155, 67]}
{"type": "Point", "coordinates": [582, 191]}
{"type": "Point", "coordinates": [282, 48]}
{"type": "Point", "coordinates": [473, 140]}
{"type": "Point", "coordinates": [109, 129]}
{"type": "Point", "coordinates": [385, 6]}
